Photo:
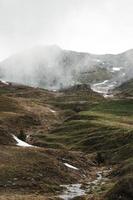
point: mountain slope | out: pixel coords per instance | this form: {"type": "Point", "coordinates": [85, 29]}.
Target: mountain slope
{"type": "Point", "coordinates": [52, 67]}
{"type": "Point", "coordinates": [75, 135]}
{"type": "Point", "coordinates": [125, 89]}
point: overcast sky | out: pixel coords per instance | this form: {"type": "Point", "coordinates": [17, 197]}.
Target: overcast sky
{"type": "Point", "coordinates": [95, 26]}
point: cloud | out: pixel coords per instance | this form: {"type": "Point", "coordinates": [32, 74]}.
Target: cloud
{"type": "Point", "coordinates": [93, 26]}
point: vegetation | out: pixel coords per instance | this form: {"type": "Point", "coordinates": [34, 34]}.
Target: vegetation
{"type": "Point", "coordinates": [125, 90]}
{"type": "Point", "coordinates": [22, 135]}
{"type": "Point", "coordinates": [77, 126]}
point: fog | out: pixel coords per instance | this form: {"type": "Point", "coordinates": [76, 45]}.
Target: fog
{"type": "Point", "coordinates": [52, 67]}
{"type": "Point", "coordinates": [45, 66]}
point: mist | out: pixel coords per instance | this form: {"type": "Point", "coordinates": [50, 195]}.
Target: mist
{"type": "Point", "coordinates": [54, 68]}
{"type": "Point", "coordinates": [45, 66]}
{"type": "Point", "coordinates": [28, 28]}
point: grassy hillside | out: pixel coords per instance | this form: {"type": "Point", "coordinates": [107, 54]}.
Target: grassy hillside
{"type": "Point", "coordinates": [76, 126]}
{"type": "Point", "coordinates": [35, 170]}
{"type": "Point", "coordinates": [104, 128]}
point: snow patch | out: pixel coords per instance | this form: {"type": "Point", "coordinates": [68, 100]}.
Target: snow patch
{"type": "Point", "coordinates": [53, 111]}
{"type": "Point", "coordinates": [101, 83]}
{"type": "Point", "coordinates": [108, 96]}
{"type": "Point", "coordinates": [21, 143]}
{"type": "Point", "coordinates": [104, 88]}
{"type": "Point", "coordinates": [4, 82]}
{"type": "Point", "coordinates": [98, 60]}
{"type": "Point", "coordinates": [116, 69]}
{"type": "Point", "coordinates": [70, 166]}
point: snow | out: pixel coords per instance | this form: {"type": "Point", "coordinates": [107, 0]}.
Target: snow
{"type": "Point", "coordinates": [101, 87]}
{"type": "Point", "coordinates": [102, 83]}
{"type": "Point", "coordinates": [104, 88]}
{"type": "Point", "coordinates": [108, 95]}
{"type": "Point", "coordinates": [98, 60]}
{"type": "Point", "coordinates": [53, 111]}
{"type": "Point", "coordinates": [21, 143]}
{"type": "Point", "coordinates": [4, 82]}
{"type": "Point", "coordinates": [116, 68]}
{"type": "Point", "coordinates": [70, 166]}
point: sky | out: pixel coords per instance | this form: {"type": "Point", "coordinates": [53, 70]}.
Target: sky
{"type": "Point", "coordinates": [95, 26]}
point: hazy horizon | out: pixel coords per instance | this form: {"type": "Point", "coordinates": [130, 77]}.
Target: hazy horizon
{"type": "Point", "coordinates": [45, 45]}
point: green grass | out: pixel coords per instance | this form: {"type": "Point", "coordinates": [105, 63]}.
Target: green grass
{"type": "Point", "coordinates": [88, 123]}
{"type": "Point", "coordinates": [101, 128]}
{"type": "Point", "coordinates": [105, 127]}
{"type": "Point", "coordinates": [4, 91]}
{"type": "Point", "coordinates": [115, 107]}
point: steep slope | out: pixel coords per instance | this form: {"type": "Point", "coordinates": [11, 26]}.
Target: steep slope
{"type": "Point", "coordinates": [51, 67]}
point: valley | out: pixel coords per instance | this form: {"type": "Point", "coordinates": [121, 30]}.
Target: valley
{"type": "Point", "coordinates": [66, 100]}
{"type": "Point", "coordinates": [79, 140]}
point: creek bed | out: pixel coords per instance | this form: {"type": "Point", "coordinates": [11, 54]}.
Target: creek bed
{"type": "Point", "coordinates": [76, 190]}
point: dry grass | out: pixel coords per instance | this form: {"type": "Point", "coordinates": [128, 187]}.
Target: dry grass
{"type": "Point", "coordinates": [24, 197]}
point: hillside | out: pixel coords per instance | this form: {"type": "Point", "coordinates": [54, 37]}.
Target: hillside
{"type": "Point", "coordinates": [27, 171]}
{"type": "Point", "coordinates": [36, 67]}
{"type": "Point", "coordinates": [125, 89]}
{"type": "Point", "coordinates": [77, 137]}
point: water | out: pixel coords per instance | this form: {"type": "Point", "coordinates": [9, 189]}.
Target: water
{"type": "Point", "coordinates": [72, 190]}
{"type": "Point", "coordinates": [75, 190]}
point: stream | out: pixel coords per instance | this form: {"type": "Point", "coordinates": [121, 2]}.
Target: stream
{"type": "Point", "coordinates": [76, 190]}
{"type": "Point", "coordinates": [72, 190]}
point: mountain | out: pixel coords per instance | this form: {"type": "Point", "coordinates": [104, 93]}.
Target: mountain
{"type": "Point", "coordinates": [52, 68]}
{"type": "Point", "coordinates": [71, 142]}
